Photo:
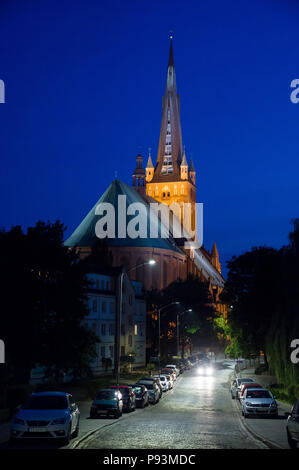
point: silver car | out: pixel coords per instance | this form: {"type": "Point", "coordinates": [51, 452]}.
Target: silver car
{"type": "Point", "coordinates": [236, 384]}
{"type": "Point", "coordinates": [259, 401]}
{"type": "Point", "coordinates": [46, 414]}
{"type": "Point", "coordinates": [293, 426]}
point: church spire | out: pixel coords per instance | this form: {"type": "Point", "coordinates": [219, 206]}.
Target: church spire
{"type": "Point", "coordinates": [170, 151]}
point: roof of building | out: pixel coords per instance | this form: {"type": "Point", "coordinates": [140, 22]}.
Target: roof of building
{"type": "Point", "coordinates": [85, 233]}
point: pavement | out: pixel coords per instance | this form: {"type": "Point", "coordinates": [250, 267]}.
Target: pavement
{"type": "Point", "coordinates": [198, 414]}
{"type": "Point", "coordinates": [272, 431]}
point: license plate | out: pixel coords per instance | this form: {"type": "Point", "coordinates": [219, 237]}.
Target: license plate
{"type": "Point", "coordinates": [37, 429]}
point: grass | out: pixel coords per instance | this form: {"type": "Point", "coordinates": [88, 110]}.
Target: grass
{"type": "Point", "coordinates": [284, 394]}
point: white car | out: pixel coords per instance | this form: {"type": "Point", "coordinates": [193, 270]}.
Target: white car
{"type": "Point", "coordinates": [236, 385]}
{"type": "Point", "coordinates": [169, 381]}
{"type": "Point", "coordinates": [46, 414]}
{"type": "Point", "coordinates": [164, 382]}
{"type": "Point", "coordinates": [176, 369]}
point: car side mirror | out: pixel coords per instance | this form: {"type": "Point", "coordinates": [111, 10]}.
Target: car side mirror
{"type": "Point", "coordinates": [73, 407]}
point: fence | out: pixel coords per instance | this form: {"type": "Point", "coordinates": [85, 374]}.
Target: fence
{"type": "Point", "coordinates": [247, 363]}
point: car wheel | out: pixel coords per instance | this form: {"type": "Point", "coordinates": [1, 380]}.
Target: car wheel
{"type": "Point", "coordinates": [233, 397]}
{"type": "Point", "coordinates": [292, 443]}
{"type": "Point", "coordinates": [147, 403]}
{"type": "Point", "coordinates": [246, 415]}
{"type": "Point", "coordinates": [67, 439]}
{"type": "Point", "coordinates": [76, 432]}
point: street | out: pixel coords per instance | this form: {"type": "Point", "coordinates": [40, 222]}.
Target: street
{"type": "Point", "coordinates": [198, 413]}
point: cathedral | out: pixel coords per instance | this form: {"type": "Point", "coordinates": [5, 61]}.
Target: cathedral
{"type": "Point", "coordinates": [171, 182]}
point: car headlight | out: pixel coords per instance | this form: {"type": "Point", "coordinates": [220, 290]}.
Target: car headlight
{"type": "Point", "coordinates": [209, 370]}
{"type": "Point", "coordinates": [19, 421]}
{"type": "Point", "coordinates": [274, 404]}
{"type": "Point", "coordinates": [59, 421]}
{"type": "Point", "coordinates": [248, 403]}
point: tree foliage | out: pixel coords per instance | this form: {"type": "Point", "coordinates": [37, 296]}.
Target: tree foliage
{"type": "Point", "coordinates": [43, 300]}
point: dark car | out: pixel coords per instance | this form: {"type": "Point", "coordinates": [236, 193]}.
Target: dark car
{"type": "Point", "coordinates": [141, 395]}
{"type": "Point", "coordinates": [128, 396]}
{"type": "Point", "coordinates": [155, 380]}
{"type": "Point", "coordinates": [107, 402]}
{"type": "Point", "coordinates": [153, 391]}
{"type": "Point", "coordinates": [293, 426]}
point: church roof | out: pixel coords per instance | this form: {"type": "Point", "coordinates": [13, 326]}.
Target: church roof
{"type": "Point", "coordinates": [184, 161]}
{"type": "Point", "coordinates": [191, 166]}
{"type": "Point", "coordinates": [149, 162]}
{"type": "Point", "coordinates": [84, 234]}
{"type": "Point", "coordinates": [170, 143]}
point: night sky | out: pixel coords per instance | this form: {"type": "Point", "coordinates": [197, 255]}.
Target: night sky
{"type": "Point", "coordinates": [84, 84]}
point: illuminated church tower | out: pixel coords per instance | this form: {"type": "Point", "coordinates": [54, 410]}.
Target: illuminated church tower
{"type": "Point", "coordinates": [171, 181]}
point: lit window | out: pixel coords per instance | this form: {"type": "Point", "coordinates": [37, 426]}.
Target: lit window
{"type": "Point", "coordinates": [135, 330]}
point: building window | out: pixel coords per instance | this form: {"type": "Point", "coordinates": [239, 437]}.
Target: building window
{"type": "Point", "coordinates": [111, 329]}
{"type": "Point", "coordinates": [163, 194]}
{"type": "Point", "coordinates": [103, 351]}
{"type": "Point", "coordinates": [130, 320]}
{"type": "Point", "coordinates": [168, 194]}
{"type": "Point", "coordinates": [130, 340]}
{"type": "Point", "coordinates": [111, 349]}
{"type": "Point", "coordinates": [94, 305]}
{"type": "Point", "coordinates": [103, 329]}
{"type": "Point", "coordinates": [135, 330]}
{"type": "Point", "coordinates": [104, 306]}
{"type": "Point", "coordinates": [156, 191]}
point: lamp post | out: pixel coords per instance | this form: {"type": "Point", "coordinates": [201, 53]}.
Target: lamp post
{"type": "Point", "coordinates": [118, 316]}
{"type": "Point", "coordinates": [159, 325]}
{"type": "Point", "coordinates": [178, 329]}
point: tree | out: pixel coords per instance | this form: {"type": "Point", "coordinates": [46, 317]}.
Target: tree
{"type": "Point", "coordinates": [43, 302]}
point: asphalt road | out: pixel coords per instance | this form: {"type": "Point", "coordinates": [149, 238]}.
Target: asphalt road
{"type": "Point", "coordinates": [197, 414]}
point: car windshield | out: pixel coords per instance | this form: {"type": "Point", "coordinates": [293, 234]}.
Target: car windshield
{"type": "Point", "coordinates": [137, 390]}
{"type": "Point", "coordinates": [46, 402]}
{"type": "Point", "coordinates": [242, 381]}
{"type": "Point", "coordinates": [162, 378]}
{"type": "Point", "coordinates": [106, 395]}
{"type": "Point", "coordinates": [258, 394]}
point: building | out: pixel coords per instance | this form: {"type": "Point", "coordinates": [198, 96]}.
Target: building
{"type": "Point", "coordinates": [103, 298]}
{"type": "Point", "coordinates": [171, 181]}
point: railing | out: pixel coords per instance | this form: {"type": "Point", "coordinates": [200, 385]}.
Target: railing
{"type": "Point", "coordinates": [246, 363]}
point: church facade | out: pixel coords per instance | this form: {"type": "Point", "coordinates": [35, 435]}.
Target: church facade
{"type": "Point", "coordinates": [171, 182]}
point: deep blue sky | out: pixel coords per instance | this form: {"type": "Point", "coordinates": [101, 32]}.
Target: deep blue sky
{"type": "Point", "coordinates": [84, 83]}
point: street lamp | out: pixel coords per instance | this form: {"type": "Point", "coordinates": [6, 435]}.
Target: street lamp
{"type": "Point", "coordinates": [118, 316]}
{"type": "Point", "coordinates": [177, 327]}
{"type": "Point", "coordinates": [159, 324]}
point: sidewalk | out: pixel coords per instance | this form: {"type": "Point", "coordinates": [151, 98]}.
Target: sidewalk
{"type": "Point", "coordinates": [270, 430]}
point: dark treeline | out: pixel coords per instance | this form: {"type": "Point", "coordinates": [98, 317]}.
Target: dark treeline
{"type": "Point", "coordinates": [262, 292]}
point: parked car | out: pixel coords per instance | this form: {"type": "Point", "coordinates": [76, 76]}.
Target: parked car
{"type": "Point", "coordinates": [175, 367]}
{"type": "Point", "coordinates": [141, 395]}
{"type": "Point", "coordinates": [107, 402]}
{"type": "Point", "coordinates": [258, 401]}
{"type": "Point", "coordinates": [46, 414]}
{"type": "Point", "coordinates": [155, 379]}
{"type": "Point", "coordinates": [164, 382]}
{"type": "Point", "coordinates": [153, 391]}
{"type": "Point", "coordinates": [128, 397]}
{"type": "Point", "coordinates": [169, 381]}
{"type": "Point", "coordinates": [169, 371]}
{"type": "Point", "coordinates": [237, 383]}
{"type": "Point", "coordinates": [248, 385]}
{"type": "Point", "coordinates": [293, 426]}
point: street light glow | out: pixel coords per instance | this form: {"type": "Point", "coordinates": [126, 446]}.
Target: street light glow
{"type": "Point", "coordinates": [152, 261]}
